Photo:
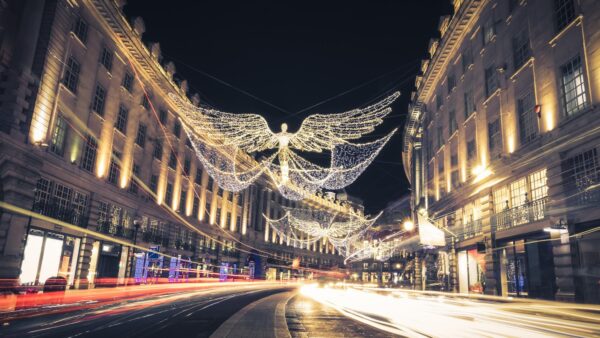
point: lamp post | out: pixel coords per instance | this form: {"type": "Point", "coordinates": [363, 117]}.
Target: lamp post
{"type": "Point", "coordinates": [136, 225]}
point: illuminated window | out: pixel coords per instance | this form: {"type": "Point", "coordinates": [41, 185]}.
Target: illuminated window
{"type": "Point", "coordinates": [80, 29]}
{"type": "Point", "coordinates": [574, 98]}
{"type": "Point", "coordinates": [121, 122]}
{"type": "Point", "coordinates": [501, 199]}
{"type": "Point", "coordinates": [564, 13]}
{"type": "Point", "coordinates": [71, 76]}
{"type": "Point", "coordinates": [98, 100]}
{"type": "Point", "coordinates": [518, 192]}
{"type": "Point", "coordinates": [538, 182]}
{"type": "Point", "coordinates": [580, 174]}
{"type": "Point", "coordinates": [89, 154]}
{"type": "Point", "coordinates": [528, 122]}
{"type": "Point", "coordinates": [128, 81]}
{"type": "Point", "coordinates": [57, 145]}
{"type": "Point", "coordinates": [106, 58]}
{"type": "Point", "coordinates": [521, 50]}
{"type": "Point", "coordinates": [140, 139]}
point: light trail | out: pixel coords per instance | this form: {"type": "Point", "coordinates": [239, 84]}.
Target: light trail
{"type": "Point", "coordinates": [429, 314]}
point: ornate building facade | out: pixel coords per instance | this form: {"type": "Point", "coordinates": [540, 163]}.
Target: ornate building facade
{"type": "Point", "coordinates": [95, 166]}
{"type": "Point", "coordinates": [502, 146]}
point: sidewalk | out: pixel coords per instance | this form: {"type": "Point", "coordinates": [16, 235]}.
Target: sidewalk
{"type": "Point", "coordinates": [264, 318]}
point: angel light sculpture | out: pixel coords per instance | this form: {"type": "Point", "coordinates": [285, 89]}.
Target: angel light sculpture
{"type": "Point", "coordinates": [223, 142]}
{"type": "Point", "coordinates": [303, 227]}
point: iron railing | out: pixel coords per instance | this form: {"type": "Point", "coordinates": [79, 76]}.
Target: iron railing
{"type": "Point", "coordinates": [524, 214]}
{"type": "Point", "coordinates": [471, 229]}
{"type": "Point", "coordinates": [65, 212]}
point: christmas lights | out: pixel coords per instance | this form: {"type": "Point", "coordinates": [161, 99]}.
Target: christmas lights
{"type": "Point", "coordinates": [223, 140]}
{"type": "Point", "coordinates": [305, 227]}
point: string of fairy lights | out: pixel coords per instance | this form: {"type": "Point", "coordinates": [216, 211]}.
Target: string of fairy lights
{"type": "Point", "coordinates": [221, 139]}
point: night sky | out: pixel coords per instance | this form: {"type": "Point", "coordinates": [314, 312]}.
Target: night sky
{"type": "Point", "coordinates": [279, 58]}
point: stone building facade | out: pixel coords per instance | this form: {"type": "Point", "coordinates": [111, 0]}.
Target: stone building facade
{"type": "Point", "coordinates": [502, 146]}
{"type": "Point", "coordinates": [94, 161]}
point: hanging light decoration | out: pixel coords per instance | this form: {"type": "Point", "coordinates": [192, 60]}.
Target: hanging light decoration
{"type": "Point", "coordinates": [305, 227]}
{"type": "Point", "coordinates": [223, 141]}
{"type": "Point", "coordinates": [378, 249]}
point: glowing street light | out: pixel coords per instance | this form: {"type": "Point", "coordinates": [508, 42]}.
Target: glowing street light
{"type": "Point", "coordinates": [409, 225]}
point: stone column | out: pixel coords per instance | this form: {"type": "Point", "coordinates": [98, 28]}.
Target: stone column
{"type": "Point", "coordinates": [563, 267]}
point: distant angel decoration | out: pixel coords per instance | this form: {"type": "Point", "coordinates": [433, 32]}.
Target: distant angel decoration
{"type": "Point", "coordinates": [223, 142]}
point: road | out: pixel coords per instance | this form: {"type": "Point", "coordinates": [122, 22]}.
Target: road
{"type": "Point", "coordinates": [289, 310]}
{"type": "Point", "coordinates": [180, 314]}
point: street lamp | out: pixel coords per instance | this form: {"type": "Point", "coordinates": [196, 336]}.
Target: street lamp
{"type": "Point", "coordinates": [408, 225]}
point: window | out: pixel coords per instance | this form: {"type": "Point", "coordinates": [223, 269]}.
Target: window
{"type": "Point", "coordinates": [238, 223]}
{"type": "Point", "coordinates": [80, 29]}
{"type": "Point", "coordinates": [154, 183]}
{"type": "Point", "coordinates": [488, 31]}
{"type": "Point", "coordinates": [240, 200]}
{"type": "Point", "coordinates": [209, 185]}
{"type": "Point", "coordinates": [128, 81]}
{"type": "Point", "coordinates": [169, 194]}
{"type": "Point", "coordinates": [501, 199]}
{"type": "Point", "coordinates": [440, 137]}
{"type": "Point", "coordinates": [198, 179]}
{"type": "Point", "coordinates": [163, 116]}
{"type": "Point", "coordinates": [454, 178]}
{"type": "Point", "coordinates": [186, 166]}
{"type": "Point", "coordinates": [173, 160]}
{"type": "Point", "coordinates": [188, 143]}
{"type": "Point", "coordinates": [518, 192]}
{"type": "Point", "coordinates": [451, 83]}
{"type": "Point", "coordinates": [564, 13]}
{"type": "Point", "coordinates": [528, 124]}
{"type": "Point", "coordinates": [195, 207]}
{"type": "Point", "coordinates": [57, 145]}
{"type": "Point", "coordinates": [98, 100]}
{"type": "Point", "coordinates": [538, 182]}
{"type": "Point", "coordinates": [573, 90]}
{"type": "Point", "coordinates": [453, 125]}
{"type": "Point", "coordinates": [491, 80]}
{"type": "Point", "coordinates": [121, 122]}
{"type": "Point", "coordinates": [114, 170]}
{"type": "Point", "coordinates": [471, 149]}
{"type": "Point", "coordinates": [469, 104]}
{"type": "Point", "coordinates": [219, 191]}
{"type": "Point", "coordinates": [145, 101]}
{"type": "Point", "coordinates": [71, 77]}
{"type": "Point", "coordinates": [106, 58]}
{"type": "Point", "coordinates": [453, 160]}
{"type": "Point", "coordinates": [140, 139]}
{"type": "Point", "coordinates": [521, 50]}
{"type": "Point", "coordinates": [218, 215]}
{"type": "Point", "coordinates": [177, 128]}
{"type": "Point", "coordinates": [494, 136]}
{"type": "Point", "coordinates": [512, 5]}
{"type": "Point", "coordinates": [89, 154]}
{"type": "Point", "coordinates": [135, 171]}
{"type": "Point", "coordinates": [467, 59]}
{"type": "Point", "coordinates": [581, 172]}
{"type": "Point", "coordinates": [158, 150]}
{"type": "Point", "coordinates": [439, 101]}
{"type": "Point", "coordinates": [230, 197]}
{"type": "Point", "coordinates": [182, 198]}
{"type": "Point", "coordinates": [228, 219]}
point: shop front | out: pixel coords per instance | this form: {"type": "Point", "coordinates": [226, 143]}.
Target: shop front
{"type": "Point", "coordinates": [586, 263]}
{"type": "Point", "coordinates": [49, 254]}
{"type": "Point", "coordinates": [527, 267]}
{"type": "Point", "coordinates": [471, 271]}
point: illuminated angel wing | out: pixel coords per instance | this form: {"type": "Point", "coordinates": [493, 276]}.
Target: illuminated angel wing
{"type": "Point", "coordinates": [249, 132]}
{"type": "Point", "coordinates": [324, 131]}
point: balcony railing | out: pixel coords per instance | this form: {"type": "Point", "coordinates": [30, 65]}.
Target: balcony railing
{"type": "Point", "coordinates": [471, 229]}
{"type": "Point", "coordinates": [527, 213]}
{"type": "Point", "coordinates": [116, 230]}
{"type": "Point", "coordinates": [64, 212]}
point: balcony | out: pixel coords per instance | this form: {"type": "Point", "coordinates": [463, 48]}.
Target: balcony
{"type": "Point", "coordinates": [64, 212]}
{"type": "Point", "coordinates": [527, 213]}
{"type": "Point", "coordinates": [471, 229]}
{"type": "Point", "coordinates": [116, 230]}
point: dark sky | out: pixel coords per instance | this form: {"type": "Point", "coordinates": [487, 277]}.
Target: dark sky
{"type": "Point", "coordinates": [291, 55]}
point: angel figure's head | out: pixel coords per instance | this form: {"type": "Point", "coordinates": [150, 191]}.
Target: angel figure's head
{"type": "Point", "coordinates": [284, 127]}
